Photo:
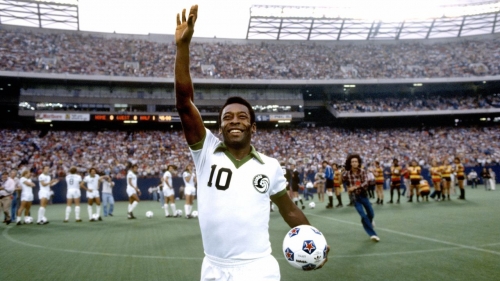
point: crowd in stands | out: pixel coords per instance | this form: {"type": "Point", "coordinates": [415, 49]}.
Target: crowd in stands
{"type": "Point", "coordinates": [401, 104]}
{"type": "Point", "coordinates": [90, 54]}
{"type": "Point", "coordinates": [110, 151]}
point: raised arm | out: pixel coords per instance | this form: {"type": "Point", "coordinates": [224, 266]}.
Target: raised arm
{"type": "Point", "coordinates": [192, 124]}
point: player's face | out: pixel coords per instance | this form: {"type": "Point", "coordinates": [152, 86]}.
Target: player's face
{"type": "Point", "coordinates": [46, 170]}
{"type": "Point", "coordinates": [236, 126]}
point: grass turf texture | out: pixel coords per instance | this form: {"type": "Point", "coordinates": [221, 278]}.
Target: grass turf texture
{"type": "Point", "coordinates": [451, 240]}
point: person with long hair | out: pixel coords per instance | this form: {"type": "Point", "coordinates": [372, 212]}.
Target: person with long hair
{"type": "Point", "coordinates": [460, 170]}
{"type": "Point", "coordinates": [395, 179]}
{"type": "Point", "coordinates": [357, 186]}
{"type": "Point", "coordinates": [379, 183]}
{"type": "Point", "coordinates": [26, 195]}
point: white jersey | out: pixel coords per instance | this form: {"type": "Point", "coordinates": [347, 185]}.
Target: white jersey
{"type": "Point", "coordinates": [167, 175]}
{"type": "Point", "coordinates": [92, 182]}
{"type": "Point", "coordinates": [25, 189]}
{"type": "Point", "coordinates": [44, 178]}
{"type": "Point", "coordinates": [233, 200]}
{"type": "Point", "coordinates": [189, 183]}
{"type": "Point", "coordinates": [73, 181]}
{"type": "Point", "coordinates": [131, 177]}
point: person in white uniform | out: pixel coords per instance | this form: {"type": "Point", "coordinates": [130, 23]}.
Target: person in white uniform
{"type": "Point", "coordinates": [168, 191]}
{"type": "Point", "coordinates": [133, 191]}
{"type": "Point", "coordinates": [235, 182]}
{"type": "Point", "coordinates": [91, 184]}
{"type": "Point", "coordinates": [45, 182]}
{"type": "Point", "coordinates": [73, 194]}
{"type": "Point", "coordinates": [26, 195]}
{"type": "Point", "coordinates": [189, 178]}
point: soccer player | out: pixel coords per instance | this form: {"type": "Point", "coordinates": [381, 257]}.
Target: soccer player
{"type": "Point", "coordinates": [45, 183]}
{"type": "Point", "coordinates": [415, 175]}
{"type": "Point", "coordinates": [328, 183]}
{"type": "Point", "coordinates": [168, 191]}
{"type": "Point", "coordinates": [73, 194]}
{"type": "Point", "coordinates": [460, 170]}
{"type": "Point", "coordinates": [91, 184]}
{"type": "Point", "coordinates": [235, 182]}
{"type": "Point", "coordinates": [189, 178]}
{"type": "Point", "coordinates": [337, 184]}
{"type": "Point", "coordinates": [26, 195]}
{"type": "Point", "coordinates": [295, 187]}
{"type": "Point", "coordinates": [379, 183]}
{"type": "Point", "coordinates": [133, 191]}
{"type": "Point", "coordinates": [395, 179]}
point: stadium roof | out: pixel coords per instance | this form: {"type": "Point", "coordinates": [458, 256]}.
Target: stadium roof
{"type": "Point", "coordinates": [377, 20]}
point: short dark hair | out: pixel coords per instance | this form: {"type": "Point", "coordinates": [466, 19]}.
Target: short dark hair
{"type": "Point", "coordinates": [348, 161]}
{"type": "Point", "coordinates": [239, 100]}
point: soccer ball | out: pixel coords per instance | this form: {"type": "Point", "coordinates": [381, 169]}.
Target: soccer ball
{"type": "Point", "coordinates": [179, 213]}
{"type": "Point", "coordinates": [194, 214]}
{"type": "Point", "coordinates": [28, 220]}
{"type": "Point", "coordinates": [304, 247]}
{"type": "Point", "coordinates": [149, 214]}
{"type": "Point", "coordinates": [312, 205]}
{"type": "Point", "coordinates": [95, 216]}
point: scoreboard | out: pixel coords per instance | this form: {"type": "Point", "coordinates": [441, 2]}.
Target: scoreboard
{"type": "Point", "coordinates": [130, 118]}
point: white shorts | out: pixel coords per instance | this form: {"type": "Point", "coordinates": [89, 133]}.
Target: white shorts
{"type": "Point", "coordinates": [73, 193]}
{"type": "Point", "coordinates": [190, 190]}
{"type": "Point", "coordinates": [27, 197]}
{"type": "Point", "coordinates": [92, 194]}
{"type": "Point", "coordinates": [263, 269]}
{"type": "Point", "coordinates": [43, 194]}
{"type": "Point", "coordinates": [131, 191]}
{"type": "Point", "coordinates": [168, 192]}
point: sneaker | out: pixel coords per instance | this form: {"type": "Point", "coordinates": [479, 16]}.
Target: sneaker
{"type": "Point", "coordinates": [303, 207]}
{"type": "Point", "coordinates": [339, 206]}
{"type": "Point", "coordinates": [110, 215]}
{"type": "Point", "coordinates": [92, 220]}
{"type": "Point", "coordinates": [78, 220]}
{"type": "Point", "coordinates": [65, 220]}
{"type": "Point", "coordinates": [99, 219]}
{"type": "Point", "coordinates": [169, 216]}
{"type": "Point", "coordinates": [189, 217]}
{"type": "Point", "coordinates": [329, 206]}
{"type": "Point", "coordinates": [374, 238]}
{"type": "Point", "coordinates": [19, 223]}
{"type": "Point", "coordinates": [390, 202]}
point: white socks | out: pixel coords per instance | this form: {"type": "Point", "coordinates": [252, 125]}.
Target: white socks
{"type": "Point", "coordinates": [41, 214]}
{"type": "Point", "coordinates": [174, 210]}
{"type": "Point", "coordinates": [77, 212]}
{"type": "Point", "coordinates": [165, 207]}
{"type": "Point", "coordinates": [68, 212]}
{"type": "Point", "coordinates": [89, 210]}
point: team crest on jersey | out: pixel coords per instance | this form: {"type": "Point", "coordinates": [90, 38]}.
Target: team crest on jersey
{"type": "Point", "coordinates": [261, 183]}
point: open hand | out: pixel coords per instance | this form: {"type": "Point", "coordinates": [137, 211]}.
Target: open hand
{"type": "Point", "coordinates": [185, 28]}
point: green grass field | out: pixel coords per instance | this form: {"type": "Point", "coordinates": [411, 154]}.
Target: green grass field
{"type": "Point", "coordinates": [451, 240]}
